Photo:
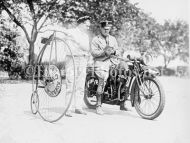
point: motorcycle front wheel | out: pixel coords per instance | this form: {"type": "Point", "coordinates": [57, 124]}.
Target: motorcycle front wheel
{"type": "Point", "coordinates": [149, 98]}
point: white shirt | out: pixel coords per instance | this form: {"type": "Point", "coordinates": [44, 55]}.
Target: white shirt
{"type": "Point", "coordinates": [81, 46]}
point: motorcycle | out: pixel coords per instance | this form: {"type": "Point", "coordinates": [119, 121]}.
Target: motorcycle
{"type": "Point", "coordinates": [129, 80]}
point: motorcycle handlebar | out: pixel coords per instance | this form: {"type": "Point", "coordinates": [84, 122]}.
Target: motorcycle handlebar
{"type": "Point", "coordinates": [125, 60]}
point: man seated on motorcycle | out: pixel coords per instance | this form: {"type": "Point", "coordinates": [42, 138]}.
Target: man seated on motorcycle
{"type": "Point", "coordinates": [102, 47]}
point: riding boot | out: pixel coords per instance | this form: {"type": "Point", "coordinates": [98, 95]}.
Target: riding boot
{"type": "Point", "coordinates": [122, 106]}
{"type": "Point", "coordinates": [100, 91]}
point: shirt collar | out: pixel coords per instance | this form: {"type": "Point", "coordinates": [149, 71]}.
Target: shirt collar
{"type": "Point", "coordinates": [100, 36]}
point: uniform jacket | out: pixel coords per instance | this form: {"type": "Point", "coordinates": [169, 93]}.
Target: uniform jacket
{"type": "Point", "coordinates": [99, 44]}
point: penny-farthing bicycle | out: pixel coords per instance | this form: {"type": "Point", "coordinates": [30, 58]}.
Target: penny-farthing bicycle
{"type": "Point", "coordinates": [49, 80]}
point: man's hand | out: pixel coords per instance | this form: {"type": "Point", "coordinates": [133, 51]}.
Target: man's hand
{"type": "Point", "coordinates": [109, 51]}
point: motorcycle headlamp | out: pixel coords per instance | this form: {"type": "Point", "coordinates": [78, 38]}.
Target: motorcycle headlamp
{"type": "Point", "coordinates": [151, 71]}
{"type": "Point", "coordinates": [147, 58]}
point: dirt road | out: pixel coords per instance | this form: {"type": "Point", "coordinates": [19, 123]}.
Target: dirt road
{"type": "Point", "coordinates": [19, 125]}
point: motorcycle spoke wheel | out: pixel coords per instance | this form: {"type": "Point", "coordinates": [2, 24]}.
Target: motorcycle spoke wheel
{"type": "Point", "coordinates": [49, 80]}
{"type": "Point", "coordinates": [149, 99]}
{"type": "Point", "coordinates": [90, 98]}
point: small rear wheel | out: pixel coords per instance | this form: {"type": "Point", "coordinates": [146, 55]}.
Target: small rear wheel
{"type": "Point", "coordinates": [34, 103]}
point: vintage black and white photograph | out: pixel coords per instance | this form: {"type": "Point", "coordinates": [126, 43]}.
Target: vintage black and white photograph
{"type": "Point", "coordinates": [94, 71]}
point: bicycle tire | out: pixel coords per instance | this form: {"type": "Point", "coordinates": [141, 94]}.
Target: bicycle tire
{"type": "Point", "coordinates": [36, 85]}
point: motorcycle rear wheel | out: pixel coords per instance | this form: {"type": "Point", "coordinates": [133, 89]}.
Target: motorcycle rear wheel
{"type": "Point", "coordinates": [146, 97]}
{"type": "Point", "coordinates": [90, 99]}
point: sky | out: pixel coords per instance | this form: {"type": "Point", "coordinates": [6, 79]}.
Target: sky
{"type": "Point", "coordinates": [165, 9]}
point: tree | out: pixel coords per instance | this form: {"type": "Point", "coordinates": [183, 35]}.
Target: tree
{"type": "Point", "coordinates": [115, 11]}
{"type": "Point", "coordinates": [9, 51]}
{"type": "Point", "coordinates": [37, 12]}
{"type": "Point", "coordinates": [136, 33]}
{"type": "Point", "coordinates": [172, 38]}
{"type": "Point", "coordinates": [183, 40]}
{"type": "Point", "coordinates": [132, 27]}
{"type": "Point", "coordinates": [33, 13]}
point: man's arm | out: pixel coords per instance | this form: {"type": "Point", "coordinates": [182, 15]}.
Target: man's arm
{"type": "Point", "coordinates": [116, 47]}
{"type": "Point", "coordinates": [114, 50]}
{"type": "Point", "coordinates": [81, 42]}
{"type": "Point", "coordinates": [96, 50]}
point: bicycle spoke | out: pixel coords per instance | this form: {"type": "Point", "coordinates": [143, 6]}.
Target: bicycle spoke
{"type": "Point", "coordinates": [51, 86]}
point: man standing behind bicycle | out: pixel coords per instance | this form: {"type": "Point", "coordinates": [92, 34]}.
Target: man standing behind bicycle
{"type": "Point", "coordinates": [102, 47]}
{"type": "Point", "coordinates": [80, 49]}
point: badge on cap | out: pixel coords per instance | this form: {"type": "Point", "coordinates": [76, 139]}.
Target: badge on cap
{"type": "Point", "coordinates": [105, 24]}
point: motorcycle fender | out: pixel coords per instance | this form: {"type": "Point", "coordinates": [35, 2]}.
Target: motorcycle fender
{"type": "Point", "coordinates": [132, 90]}
{"type": "Point", "coordinates": [133, 85]}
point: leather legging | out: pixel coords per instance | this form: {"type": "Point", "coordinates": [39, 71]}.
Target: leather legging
{"type": "Point", "coordinates": [100, 91]}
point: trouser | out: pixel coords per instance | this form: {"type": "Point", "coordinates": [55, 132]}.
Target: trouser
{"type": "Point", "coordinates": [102, 71]}
{"type": "Point", "coordinates": [80, 77]}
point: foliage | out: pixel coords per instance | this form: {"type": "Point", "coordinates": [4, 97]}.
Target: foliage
{"type": "Point", "coordinates": [133, 28]}
{"type": "Point", "coordinates": [99, 10]}
{"type": "Point", "coordinates": [173, 41]}
{"type": "Point", "coordinates": [135, 35]}
{"type": "Point", "coordinates": [37, 13]}
{"type": "Point", "coordinates": [9, 51]}
{"type": "Point", "coordinates": [33, 13]}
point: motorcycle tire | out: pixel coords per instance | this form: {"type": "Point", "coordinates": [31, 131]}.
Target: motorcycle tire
{"type": "Point", "coordinates": [139, 101]}
{"type": "Point", "coordinates": [89, 99]}
{"type": "Point", "coordinates": [34, 103]}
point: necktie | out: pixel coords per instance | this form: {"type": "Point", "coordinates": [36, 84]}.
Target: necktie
{"type": "Point", "coordinates": [107, 40]}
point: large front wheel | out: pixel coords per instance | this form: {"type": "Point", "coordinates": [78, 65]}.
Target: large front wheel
{"type": "Point", "coordinates": [149, 99]}
{"type": "Point", "coordinates": [50, 80]}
